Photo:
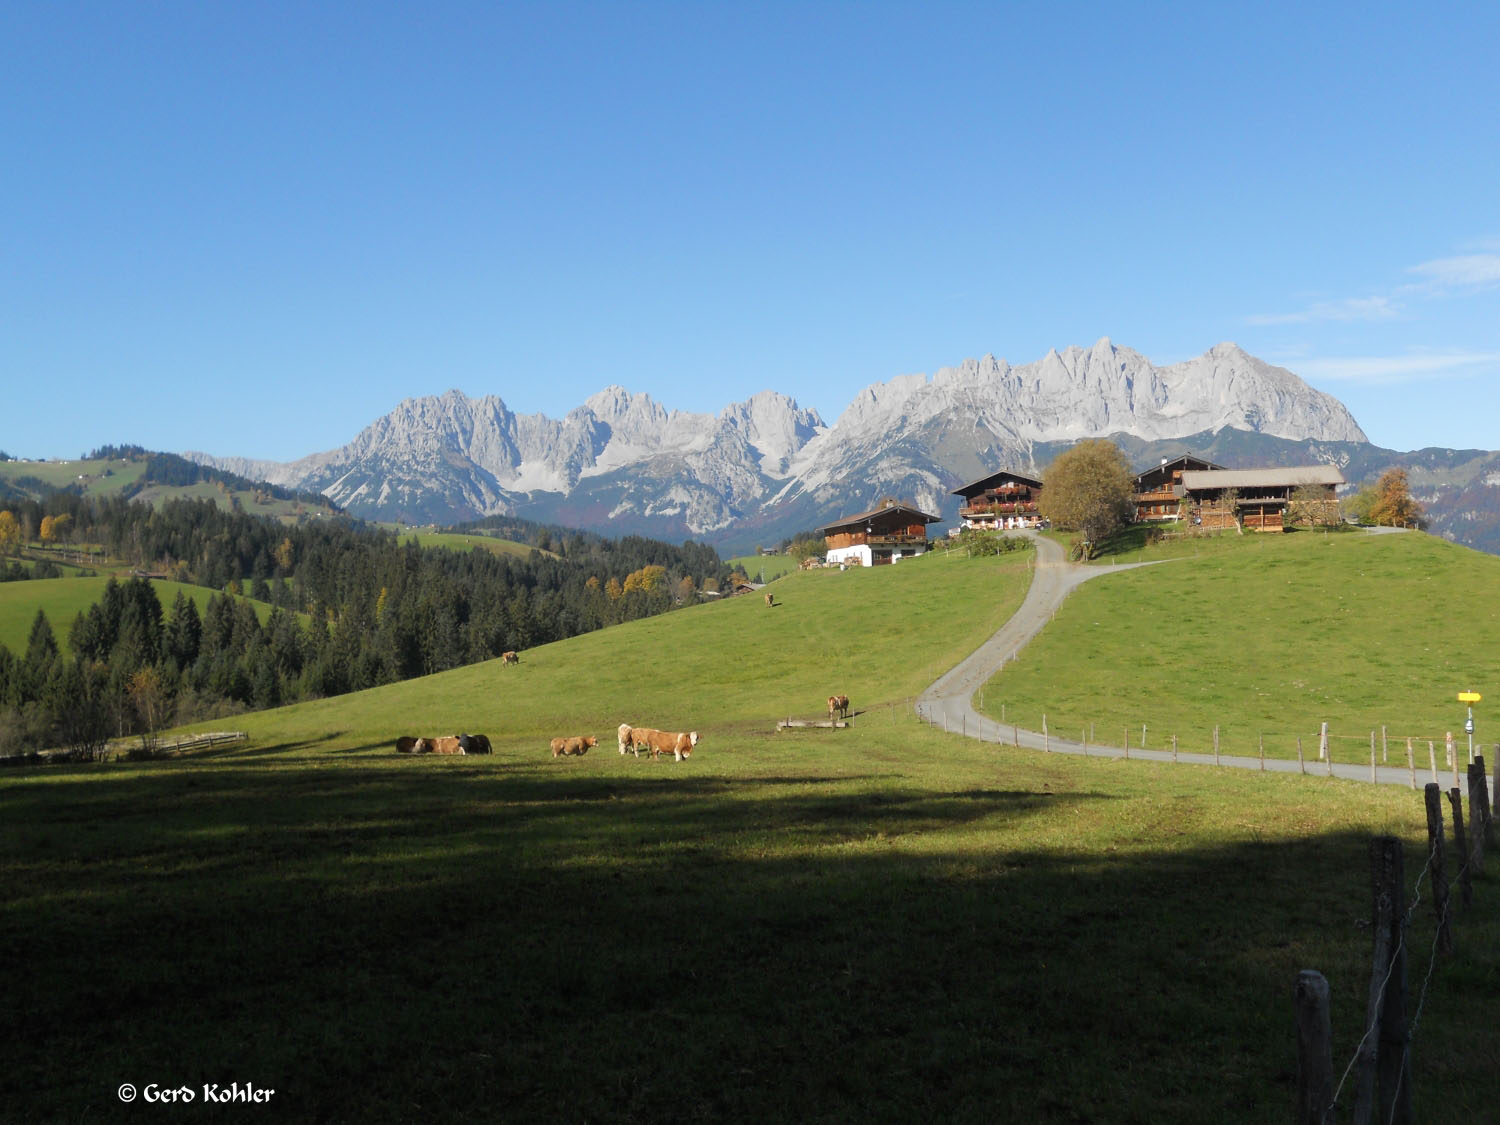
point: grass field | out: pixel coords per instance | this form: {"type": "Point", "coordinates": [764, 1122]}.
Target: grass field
{"type": "Point", "coordinates": [456, 541]}
{"type": "Point", "coordinates": [1271, 635]}
{"type": "Point", "coordinates": [764, 568]}
{"type": "Point", "coordinates": [63, 599]}
{"type": "Point", "coordinates": [880, 924]}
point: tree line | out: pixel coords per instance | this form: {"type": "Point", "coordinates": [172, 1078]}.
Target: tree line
{"type": "Point", "coordinates": [348, 606]}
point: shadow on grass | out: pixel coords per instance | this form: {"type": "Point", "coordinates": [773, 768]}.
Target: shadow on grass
{"type": "Point", "coordinates": [391, 944]}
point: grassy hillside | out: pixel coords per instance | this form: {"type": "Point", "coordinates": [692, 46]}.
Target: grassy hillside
{"type": "Point", "coordinates": [1272, 635]}
{"type": "Point", "coordinates": [62, 599]}
{"type": "Point", "coordinates": [885, 923]}
{"type": "Point", "coordinates": [458, 541]}
{"type": "Point", "coordinates": [765, 568]}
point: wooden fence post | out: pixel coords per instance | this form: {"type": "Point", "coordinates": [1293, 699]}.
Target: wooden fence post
{"type": "Point", "coordinates": [1263, 751]}
{"type": "Point", "coordinates": [1174, 748]}
{"type": "Point", "coordinates": [1461, 848]}
{"type": "Point", "coordinates": [1301, 763]}
{"type": "Point", "coordinates": [1453, 761]}
{"type": "Point", "coordinates": [1216, 745]}
{"type": "Point", "coordinates": [1372, 756]}
{"type": "Point", "coordinates": [1433, 796]}
{"type": "Point", "coordinates": [1479, 815]}
{"type": "Point", "coordinates": [1314, 1050]}
{"type": "Point", "coordinates": [1432, 760]}
{"type": "Point", "coordinates": [1046, 743]}
{"type": "Point", "coordinates": [1385, 747]}
{"type": "Point", "coordinates": [1385, 1068]}
{"type": "Point", "coordinates": [1322, 742]}
{"type": "Point", "coordinates": [1411, 764]}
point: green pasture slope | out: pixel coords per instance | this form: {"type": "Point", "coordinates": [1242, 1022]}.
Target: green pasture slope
{"type": "Point", "coordinates": [764, 567]}
{"type": "Point", "coordinates": [884, 923]}
{"type": "Point", "coordinates": [63, 599]}
{"type": "Point", "coordinates": [1270, 636]}
{"type": "Point", "coordinates": [459, 541]}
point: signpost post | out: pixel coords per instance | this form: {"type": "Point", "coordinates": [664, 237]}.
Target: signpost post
{"type": "Point", "coordinates": [1471, 698]}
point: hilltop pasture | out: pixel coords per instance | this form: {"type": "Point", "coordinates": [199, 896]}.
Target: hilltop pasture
{"type": "Point", "coordinates": [885, 923]}
{"type": "Point", "coordinates": [1271, 636]}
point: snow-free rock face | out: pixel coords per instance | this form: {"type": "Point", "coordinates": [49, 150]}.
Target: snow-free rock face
{"type": "Point", "coordinates": [622, 462]}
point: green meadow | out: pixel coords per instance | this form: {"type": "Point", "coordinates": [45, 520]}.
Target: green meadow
{"type": "Point", "coordinates": [458, 541]}
{"type": "Point", "coordinates": [1269, 637]}
{"type": "Point", "coordinates": [63, 599]}
{"type": "Point", "coordinates": [884, 923]}
{"type": "Point", "coordinates": [766, 568]}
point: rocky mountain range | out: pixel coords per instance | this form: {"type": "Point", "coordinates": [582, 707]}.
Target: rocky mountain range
{"type": "Point", "coordinates": [763, 468]}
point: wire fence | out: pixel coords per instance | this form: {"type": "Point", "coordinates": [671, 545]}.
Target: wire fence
{"type": "Point", "coordinates": [1381, 1063]}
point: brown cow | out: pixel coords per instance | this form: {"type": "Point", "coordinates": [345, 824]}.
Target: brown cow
{"type": "Point", "coordinates": [568, 747]}
{"type": "Point", "coordinates": [770, 599]}
{"type": "Point", "coordinates": [509, 658]}
{"type": "Point", "coordinates": [679, 745]}
{"type": "Point", "coordinates": [406, 744]}
{"type": "Point", "coordinates": [838, 705]}
{"type": "Point", "coordinates": [448, 744]}
{"type": "Point", "coordinates": [640, 739]}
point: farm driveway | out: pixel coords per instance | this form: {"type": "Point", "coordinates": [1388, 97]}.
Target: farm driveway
{"type": "Point", "coordinates": [948, 703]}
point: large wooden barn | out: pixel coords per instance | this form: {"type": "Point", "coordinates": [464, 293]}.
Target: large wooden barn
{"type": "Point", "coordinates": [886, 534]}
{"type": "Point", "coordinates": [1156, 496]}
{"type": "Point", "coordinates": [1256, 498]}
{"type": "Point", "coordinates": [1001, 500]}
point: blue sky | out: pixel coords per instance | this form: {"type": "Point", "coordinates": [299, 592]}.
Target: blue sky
{"type": "Point", "coordinates": [252, 229]}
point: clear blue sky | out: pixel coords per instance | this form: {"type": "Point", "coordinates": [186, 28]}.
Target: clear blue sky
{"type": "Point", "coordinates": [254, 228]}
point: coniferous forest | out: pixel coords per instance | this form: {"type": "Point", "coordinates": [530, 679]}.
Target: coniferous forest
{"type": "Point", "coordinates": [350, 607]}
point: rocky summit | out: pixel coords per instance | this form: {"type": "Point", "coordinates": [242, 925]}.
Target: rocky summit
{"type": "Point", "coordinates": [622, 463]}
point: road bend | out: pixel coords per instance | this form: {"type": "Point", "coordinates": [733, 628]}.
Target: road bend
{"type": "Point", "coordinates": [948, 703]}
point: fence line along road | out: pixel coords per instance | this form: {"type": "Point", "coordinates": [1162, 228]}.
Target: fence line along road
{"type": "Point", "coordinates": [948, 703]}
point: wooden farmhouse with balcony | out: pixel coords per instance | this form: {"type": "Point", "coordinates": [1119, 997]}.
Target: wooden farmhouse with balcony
{"type": "Point", "coordinates": [1256, 498]}
{"type": "Point", "coordinates": [1156, 495]}
{"type": "Point", "coordinates": [886, 534]}
{"type": "Point", "coordinates": [1000, 500]}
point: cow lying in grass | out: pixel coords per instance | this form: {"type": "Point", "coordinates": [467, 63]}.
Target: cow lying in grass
{"type": "Point", "coordinates": [451, 744]}
{"type": "Point", "coordinates": [568, 747]}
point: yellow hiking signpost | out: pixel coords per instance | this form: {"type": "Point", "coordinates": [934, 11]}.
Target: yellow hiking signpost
{"type": "Point", "coordinates": [1471, 698]}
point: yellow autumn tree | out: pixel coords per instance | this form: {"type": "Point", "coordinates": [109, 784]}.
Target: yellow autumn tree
{"type": "Point", "coordinates": [10, 533]}
{"type": "Point", "coordinates": [646, 579]}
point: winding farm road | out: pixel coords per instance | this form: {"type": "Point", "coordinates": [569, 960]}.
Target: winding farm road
{"type": "Point", "coordinates": [948, 703]}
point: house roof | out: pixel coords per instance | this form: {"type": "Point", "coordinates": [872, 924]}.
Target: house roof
{"type": "Point", "coordinates": [1198, 480]}
{"type": "Point", "coordinates": [1188, 462]}
{"type": "Point", "coordinates": [984, 482]}
{"type": "Point", "coordinates": [917, 513]}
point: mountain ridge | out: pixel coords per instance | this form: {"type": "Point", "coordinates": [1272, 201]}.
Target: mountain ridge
{"type": "Point", "coordinates": [623, 463]}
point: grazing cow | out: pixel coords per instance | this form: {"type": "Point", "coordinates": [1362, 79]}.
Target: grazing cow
{"type": "Point", "coordinates": [680, 746]}
{"type": "Point", "coordinates": [406, 744]}
{"type": "Point", "coordinates": [838, 705]}
{"type": "Point", "coordinates": [640, 739]}
{"type": "Point", "coordinates": [569, 747]}
{"type": "Point", "coordinates": [770, 599]}
{"type": "Point", "coordinates": [509, 658]}
{"type": "Point", "coordinates": [624, 736]}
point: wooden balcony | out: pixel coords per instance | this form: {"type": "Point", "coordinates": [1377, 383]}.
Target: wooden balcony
{"type": "Point", "coordinates": [991, 510]}
{"type": "Point", "coordinates": [876, 540]}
